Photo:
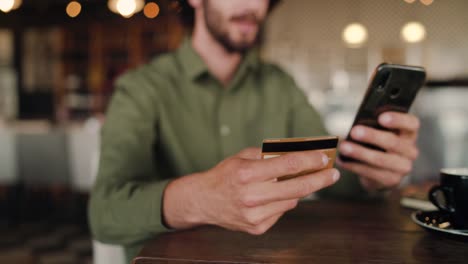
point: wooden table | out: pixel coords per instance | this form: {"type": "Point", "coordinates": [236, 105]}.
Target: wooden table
{"type": "Point", "coordinates": [315, 232]}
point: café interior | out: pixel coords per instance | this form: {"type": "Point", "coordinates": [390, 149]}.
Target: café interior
{"type": "Point", "coordinates": [59, 60]}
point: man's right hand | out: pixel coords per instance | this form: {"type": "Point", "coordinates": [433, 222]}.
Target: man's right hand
{"type": "Point", "coordinates": [241, 193]}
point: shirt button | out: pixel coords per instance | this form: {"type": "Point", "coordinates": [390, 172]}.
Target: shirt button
{"type": "Point", "coordinates": [225, 130]}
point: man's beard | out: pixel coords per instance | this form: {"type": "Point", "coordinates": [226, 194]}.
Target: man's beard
{"type": "Point", "coordinates": [214, 22]}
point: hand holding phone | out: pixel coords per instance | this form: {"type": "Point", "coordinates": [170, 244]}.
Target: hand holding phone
{"type": "Point", "coordinates": [392, 88]}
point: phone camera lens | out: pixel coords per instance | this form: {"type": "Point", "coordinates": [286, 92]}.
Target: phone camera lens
{"type": "Point", "coordinates": [394, 92]}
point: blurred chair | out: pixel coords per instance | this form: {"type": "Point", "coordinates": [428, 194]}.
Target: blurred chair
{"type": "Point", "coordinates": [431, 157]}
{"type": "Point", "coordinates": [107, 254]}
{"type": "Point", "coordinates": [43, 171]}
{"type": "Point", "coordinates": [454, 125]}
{"type": "Point", "coordinates": [8, 169]}
{"type": "Point", "coordinates": [83, 145]}
{"type": "Point", "coordinates": [42, 157]}
{"type": "Point", "coordinates": [444, 131]}
{"type": "Point", "coordinates": [8, 176]}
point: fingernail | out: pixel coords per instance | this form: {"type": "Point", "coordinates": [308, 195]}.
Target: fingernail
{"type": "Point", "coordinates": [325, 159]}
{"type": "Point", "coordinates": [336, 175]}
{"type": "Point", "coordinates": [386, 118]}
{"type": "Point", "coordinates": [358, 132]}
{"type": "Point", "coordinates": [346, 148]}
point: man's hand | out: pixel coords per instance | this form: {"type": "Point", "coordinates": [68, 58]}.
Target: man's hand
{"type": "Point", "coordinates": [382, 170]}
{"type": "Point", "coordinates": [241, 193]}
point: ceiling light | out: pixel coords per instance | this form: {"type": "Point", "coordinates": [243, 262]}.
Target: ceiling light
{"type": "Point", "coordinates": [354, 35]}
{"type": "Point", "coordinates": [125, 8]}
{"type": "Point", "coordinates": [413, 32]}
{"type": "Point", "coordinates": [7, 5]}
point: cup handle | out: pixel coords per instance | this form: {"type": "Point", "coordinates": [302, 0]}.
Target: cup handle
{"type": "Point", "coordinates": [448, 195]}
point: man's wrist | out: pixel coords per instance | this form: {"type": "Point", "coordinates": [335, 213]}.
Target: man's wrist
{"type": "Point", "coordinates": [181, 203]}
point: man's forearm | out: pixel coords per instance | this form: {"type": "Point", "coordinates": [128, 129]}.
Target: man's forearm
{"type": "Point", "coordinates": [181, 202]}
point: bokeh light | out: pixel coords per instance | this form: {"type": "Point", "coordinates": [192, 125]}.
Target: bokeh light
{"type": "Point", "coordinates": [413, 32]}
{"type": "Point", "coordinates": [354, 35]}
{"type": "Point", "coordinates": [17, 4]}
{"type": "Point", "coordinates": [6, 5]}
{"type": "Point", "coordinates": [73, 9]}
{"type": "Point", "coordinates": [151, 10]}
{"type": "Point", "coordinates": [125, 8]}
{"type": "Point", "coordinates": [427, 2]}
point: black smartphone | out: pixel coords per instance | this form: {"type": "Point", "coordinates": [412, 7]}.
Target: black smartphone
{"type": "Point", "coordinates": [392, 87]}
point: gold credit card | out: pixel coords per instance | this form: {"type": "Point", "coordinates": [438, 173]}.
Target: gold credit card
{"type": "Point", "coordinates": [278, 146]}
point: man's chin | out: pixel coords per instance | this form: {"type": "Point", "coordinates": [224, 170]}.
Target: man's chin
{"type": "Point", "coordinates": [240, 45]}
{"type": "Point", "coordinates": [235, 44]}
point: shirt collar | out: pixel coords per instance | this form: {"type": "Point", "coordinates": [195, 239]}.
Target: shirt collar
{"type": "Point", "coordinates": [252, 59]}
{"type": "Point", "coordinates": [194, 66]}
{"type": "Point", "coordinates": [192, 63]}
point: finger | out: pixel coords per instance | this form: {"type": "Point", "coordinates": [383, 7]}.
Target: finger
{"type": "Point", "coordinates": [372, 185]}
{"type": "Point", "coordinates": [256, 215]}
{"type": "Point", "coordinates": [376, 158]}
{"type": "Point", "coordinates": [386, 140]}
{"type": "Point", "coordinates": [383, 178]}
{"type": "Point", "coordinates": [284, 165]}
{"type": "Point", "coordinates": [250, 153]}
{"type": "Point", "coordinates": [407, 124]}
{"type": "Point", "coordinates": [268, 192]}
{"type": "Point", "coordinates": [264, 226]}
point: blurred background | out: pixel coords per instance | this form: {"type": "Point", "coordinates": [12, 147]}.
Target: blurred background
{"type": "Point", "coordinates": [59, 58]}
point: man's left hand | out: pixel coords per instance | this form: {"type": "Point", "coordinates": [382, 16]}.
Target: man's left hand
{"type": "Point", "coordinates": [377, 169]}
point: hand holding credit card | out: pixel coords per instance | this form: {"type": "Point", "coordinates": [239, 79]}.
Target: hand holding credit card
{"type": "Point", "coordinates": [276, 147]}
{"type": "Point", "coordinates": [243, 192]}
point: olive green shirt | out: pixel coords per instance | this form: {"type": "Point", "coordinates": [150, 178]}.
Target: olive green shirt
{"type": "Point", "coordinates": [170, 118]}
